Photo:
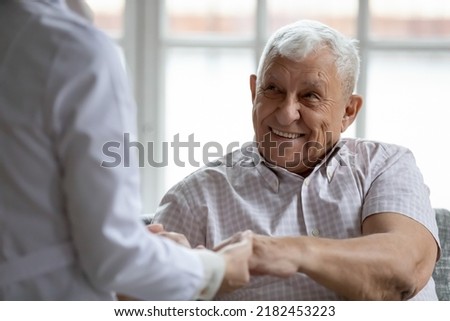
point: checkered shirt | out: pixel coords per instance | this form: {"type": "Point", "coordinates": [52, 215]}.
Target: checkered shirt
{"type": "Point", "coordinates": [241, 191]}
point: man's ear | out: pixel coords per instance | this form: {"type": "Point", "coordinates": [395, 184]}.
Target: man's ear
{"type": "Point", "coordinates": [253, 86]}
{"type": "Point", "coordinates": [354, 105]}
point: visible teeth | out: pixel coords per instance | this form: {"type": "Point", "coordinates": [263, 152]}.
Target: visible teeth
{"type": "Point", "coordinates": [287, 135]}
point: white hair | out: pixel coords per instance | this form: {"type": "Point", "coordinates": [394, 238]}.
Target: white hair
{"type": "Point", "coordinates": [299, 39]}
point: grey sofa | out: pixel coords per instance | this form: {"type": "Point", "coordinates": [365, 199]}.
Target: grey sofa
{"type": "Point", "coordinates": [441, 272]}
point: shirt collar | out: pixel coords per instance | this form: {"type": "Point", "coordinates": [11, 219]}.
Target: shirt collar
{"type": "Point", "coordinates": [269, 171]}
{"type": "Point", "coordinates": [332, 161]}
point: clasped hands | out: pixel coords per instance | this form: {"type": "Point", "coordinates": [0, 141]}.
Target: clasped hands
{"type": "Point", "coordinates": [245, 253]}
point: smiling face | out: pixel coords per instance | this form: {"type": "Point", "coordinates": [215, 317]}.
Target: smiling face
{"type": "Point", "coordinates": [300, 110]}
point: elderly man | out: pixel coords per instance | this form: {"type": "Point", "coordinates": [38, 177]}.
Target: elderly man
{"type": "Point", "coordinates": [338, 218]}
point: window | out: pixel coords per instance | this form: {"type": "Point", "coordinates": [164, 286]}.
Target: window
{"type": "Point", "coordinates": [410, 20]}
{"type": "Point", "coordinates": [191, 59]}
{"type": "Point", "coordinates": [341, 14]}
{"type": "Point", "coordinates": [407, 77]}
{"type": "Point", "coordinates": [206, 18]}
{"type": "Point", "coordinates": [108, 16]}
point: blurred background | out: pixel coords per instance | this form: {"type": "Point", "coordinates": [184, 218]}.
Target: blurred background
{"type": "Point", "coordinates": [189, 63]}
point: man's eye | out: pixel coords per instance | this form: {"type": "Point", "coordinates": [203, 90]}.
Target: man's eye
{"type": "Point", "coordinates": [271, 88]}
{"type": "Point", "coordinates": [311, 96]}
{"type": "Point", "coordinates": [272, 91]}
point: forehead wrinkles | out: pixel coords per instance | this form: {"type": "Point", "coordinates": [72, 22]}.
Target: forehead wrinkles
{"type": "Point", "coordinates": [308, 70]}
{"type": "Point", "coordinates": [275, 70]}
{"type": "Point", "coordinates": [309, 76]}
{"type": "Point", "coordinates": [315, 78]}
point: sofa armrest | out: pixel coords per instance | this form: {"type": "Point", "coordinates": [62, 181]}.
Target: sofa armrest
{"type": "Point", "coordinates": [441, 273]}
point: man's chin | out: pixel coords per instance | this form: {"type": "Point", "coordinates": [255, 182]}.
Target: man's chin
{"type": "Point", "coordinates": [296, 165]}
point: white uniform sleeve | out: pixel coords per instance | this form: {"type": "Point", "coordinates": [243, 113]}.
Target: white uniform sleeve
{"type": "Point", "coordinates": [214, 266]}
{"type": "Point", "coordinates": [93, 110]}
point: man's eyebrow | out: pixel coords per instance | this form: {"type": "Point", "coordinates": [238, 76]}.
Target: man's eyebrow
{"type": "Point", "coordinates": [318, 83]}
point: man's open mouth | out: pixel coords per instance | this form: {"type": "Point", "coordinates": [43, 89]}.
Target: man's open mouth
{"type": "Point", "coordinates": [286, 135]}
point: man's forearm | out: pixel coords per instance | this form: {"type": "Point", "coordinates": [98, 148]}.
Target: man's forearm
{"type": "Point", "coordinates": [384, 265]}
{"type": "Point", "coordinates": [364, 268]}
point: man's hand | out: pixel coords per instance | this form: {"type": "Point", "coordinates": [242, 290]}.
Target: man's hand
{"type": "Point", "coordinates": [176, 237]}
{"type": "Point", "coordinates": [236, 251]}
{"type": "Point", "coordinates": [272, 255]}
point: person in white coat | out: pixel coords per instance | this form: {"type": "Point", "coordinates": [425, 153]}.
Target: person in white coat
{"type": "Point", "coordinates": [70, 228]}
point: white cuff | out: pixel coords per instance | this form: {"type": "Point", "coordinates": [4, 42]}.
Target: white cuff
{"type": "Point", "coordinates": [214, 271]}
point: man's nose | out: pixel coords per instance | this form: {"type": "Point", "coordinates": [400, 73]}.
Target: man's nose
{"type": "Point", "coordinates": [288, 110]}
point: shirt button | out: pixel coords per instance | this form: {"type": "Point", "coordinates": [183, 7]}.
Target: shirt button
{"type": "Point", "coordinates": [329, 174]}
{"type": "Point", "coordinates": [315, 232]}
{"type": "Point", "coordinates": [306, 181]}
